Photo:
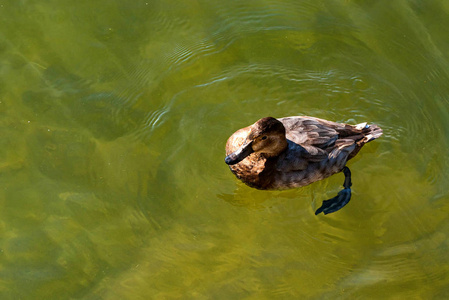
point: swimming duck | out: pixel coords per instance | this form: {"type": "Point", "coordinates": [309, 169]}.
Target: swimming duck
{"type": "Point", "coordinates": [291, 152]}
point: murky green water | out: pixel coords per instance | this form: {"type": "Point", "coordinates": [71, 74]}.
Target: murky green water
{"type": "Point", "coordinates": [113, 121]}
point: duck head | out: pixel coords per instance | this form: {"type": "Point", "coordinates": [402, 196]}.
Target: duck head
{"type": "Point", "coordinates": [266, 136]}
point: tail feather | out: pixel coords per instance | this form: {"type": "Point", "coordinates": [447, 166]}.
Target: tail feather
{"type": "Point", "coordinates": [372, 132]}
{"type": "Point", "coordinates": [362, 126]}
{"type": "Point", "coordinates": [369, 133]}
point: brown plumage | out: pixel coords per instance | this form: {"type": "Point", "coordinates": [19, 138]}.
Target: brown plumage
{"type": "Point", "coordinates": [294, 151]}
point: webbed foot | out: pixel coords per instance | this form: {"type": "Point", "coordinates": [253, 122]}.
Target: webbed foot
{"type": "Point", "coordinates": [339, 201]}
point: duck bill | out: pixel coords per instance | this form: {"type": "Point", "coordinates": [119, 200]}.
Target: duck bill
{"type": "Point", "coordinates": [239, 155]}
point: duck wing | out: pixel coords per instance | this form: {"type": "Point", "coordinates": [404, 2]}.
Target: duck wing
{"type": "Point", "coordinates": [309, 131]}
{"type": "Point", "coordinates": [316, 136]}
{"type": "Point", "coordinates": [323, 139]}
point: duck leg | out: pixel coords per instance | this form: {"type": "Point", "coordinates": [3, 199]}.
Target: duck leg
{"type": "Point", "coordinates": [339, 201]}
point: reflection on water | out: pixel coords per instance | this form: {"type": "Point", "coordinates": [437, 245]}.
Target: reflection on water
{"type": "Point", "coordinates": [114, 118]}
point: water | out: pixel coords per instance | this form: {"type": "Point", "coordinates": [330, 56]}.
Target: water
{"type": "Point", "coordinates": [114, 116]}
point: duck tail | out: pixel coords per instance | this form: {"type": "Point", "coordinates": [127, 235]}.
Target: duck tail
{"type": "Point", "coordinates": [370, 132]}
{"type": "Point", "coordinates": [367, 133]}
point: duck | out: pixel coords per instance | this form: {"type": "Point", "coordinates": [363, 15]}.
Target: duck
{"type": "Point", "coordinates": [292, 152]}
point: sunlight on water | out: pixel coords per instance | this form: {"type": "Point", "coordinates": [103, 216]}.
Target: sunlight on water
{"type": "Point", "coordinates": [114, 117]}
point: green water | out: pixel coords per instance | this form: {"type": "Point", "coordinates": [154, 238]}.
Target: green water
{"type": "Point", "coordinates": [113, 120]}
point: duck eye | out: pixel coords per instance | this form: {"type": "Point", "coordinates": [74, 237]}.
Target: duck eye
{"type": "Point", "coordinates": [264, 137]}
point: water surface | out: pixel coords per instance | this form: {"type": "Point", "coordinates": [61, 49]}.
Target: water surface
{"type": "Point", "coordinates": [113, 120]}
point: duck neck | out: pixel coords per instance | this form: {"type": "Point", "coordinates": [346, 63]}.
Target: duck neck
{"type": "Point", "coordinates": [281, 146]}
